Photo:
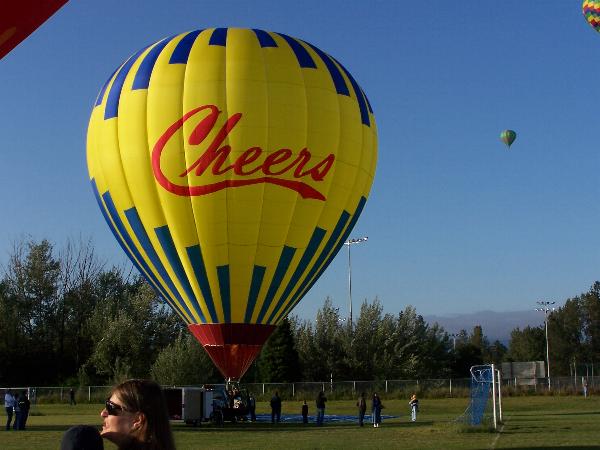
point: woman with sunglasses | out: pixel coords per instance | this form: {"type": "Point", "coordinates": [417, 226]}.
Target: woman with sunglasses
{"type": "Point", "coordinates": [135, 417]}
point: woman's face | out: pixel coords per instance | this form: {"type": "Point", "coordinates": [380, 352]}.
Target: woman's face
{"type": "Point", "coordinates": [118, 425]}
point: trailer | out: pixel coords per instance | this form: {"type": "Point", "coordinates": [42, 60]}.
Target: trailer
{"type": "Point", "coordinates": [194, 405]}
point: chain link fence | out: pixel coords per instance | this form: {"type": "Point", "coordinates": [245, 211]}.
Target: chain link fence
{"type": "Point", "coordinates": [345, 390]}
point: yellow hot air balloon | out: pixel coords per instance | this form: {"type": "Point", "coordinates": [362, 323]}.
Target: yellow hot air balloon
{"type": "Point", "coordinates": [231, 165]}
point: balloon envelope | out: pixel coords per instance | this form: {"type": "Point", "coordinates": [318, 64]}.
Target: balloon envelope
{"type": "Point", "coordinates": [591, 12]}
{"type": "Point", "coordinates": [231, 166]}
{"type": "Point", "coordinates": [508, 137]}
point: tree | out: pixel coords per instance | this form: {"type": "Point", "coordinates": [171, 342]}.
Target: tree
{"type": "Point", "coordinates": [31, 293]}
{"type": "Point", "coordinates": [528, 344]}
{"type": "Point", "coordinates": [495, 353]}
{"type": "Point", "coordinates": [590, 308]}
{"type": "Point", "coordinates": [129, 330]}
{"type": "Point", "coordinates": [184, 362]}
{"type": "Point", "coordinates": [279, 361]}
{"type": "Point", "coordinates": [565, 337]}
{"type": "Point", "coordinates": [367, 341]}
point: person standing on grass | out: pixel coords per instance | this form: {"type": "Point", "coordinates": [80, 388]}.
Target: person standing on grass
{"type": "Point", "coordinates": [72, 397]}
{"type": "Point", "coordinates": [252, 407]}
{"type": "Point", "coordinates": [362, 408]}
{"type": "Point", "coordinates": [24, 405]}
{"type": "Point", "coordinates": [321, 400]}
{"type": "Point", "coordinates": [304, 412]}
{"type": "Point", "coordinates": [275, 408]}
{"type": "Point", "coordinates": [9, 405]}
{"type": "Point", "coordinates": [17, 409]}
{"type": "Point", "coordinates": [414, 407]}
{"type": "Point", "coordinates": [376, 408]}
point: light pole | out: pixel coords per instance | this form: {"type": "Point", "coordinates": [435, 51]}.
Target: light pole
{"type": "Point", "coordinates": [349, 243]}
{"type": "Point", "coordinates": [546, 308]}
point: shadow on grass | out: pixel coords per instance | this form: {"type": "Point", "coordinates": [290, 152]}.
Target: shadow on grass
{"type": "Point", "coordinates": [290, 427]}
{"type": "Point", "coordinates": [535, 416]}
{"type": "Point", "coordinates": [43, 428]}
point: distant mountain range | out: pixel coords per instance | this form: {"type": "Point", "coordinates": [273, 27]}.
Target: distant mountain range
{"type": "Point", "coordinates": [495, 325]}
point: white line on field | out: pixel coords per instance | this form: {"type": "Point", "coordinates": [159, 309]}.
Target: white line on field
{"type": "Point", "coordinates": [493, 446]}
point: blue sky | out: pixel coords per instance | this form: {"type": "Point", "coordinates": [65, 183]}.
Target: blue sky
{"type": "Point", "coordinates": [456, 222]}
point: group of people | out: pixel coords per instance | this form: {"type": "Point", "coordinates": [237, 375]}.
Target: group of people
{"type": "Point", "coordinates": [321, 400]}
{"type": "Point", "coordinates": [134, 417]}
{"type": "Point", "coordinates": [376, 407]}
{"type": "Point", "coordinates": [17, 406]}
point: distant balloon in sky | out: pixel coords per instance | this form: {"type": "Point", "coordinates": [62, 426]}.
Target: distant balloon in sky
{"type": "Point", "coordinates": [591, 11]}
{"type": "Point", "coordinates": [231, 165]}
{"type": "Point", "coordinates": [20, 18]}
{"type": "Point", "coordinates": [508, 137]}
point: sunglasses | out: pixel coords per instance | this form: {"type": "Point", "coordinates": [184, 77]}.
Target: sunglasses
{"type": "Point", "coordinates": [113, 409]}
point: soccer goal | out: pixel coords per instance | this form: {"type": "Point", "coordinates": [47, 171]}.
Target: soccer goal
{"type": "Point", "coordinates": [485, 383]}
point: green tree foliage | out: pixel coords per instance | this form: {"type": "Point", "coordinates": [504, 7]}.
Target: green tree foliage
{"type": "Point", "coordinates": [184, 362]}
{"type": "Point", "coordinates": [32, 301]}
{"type": "Point", "coordinates": [64, 316]}
{"type": "Point", "coordinates": [278, 361]}
{"type": "Point", "coordinates": [528, 344]}
{"type": "Point", "coordinates": [129, 330]}
{"type": "Point", "coordinates": [379, 346]}
{"type": "Point", "coordinates": [468, 351]}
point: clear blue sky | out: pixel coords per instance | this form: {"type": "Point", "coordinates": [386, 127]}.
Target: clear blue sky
{"type": "Point", "coordinates": [456, 223]}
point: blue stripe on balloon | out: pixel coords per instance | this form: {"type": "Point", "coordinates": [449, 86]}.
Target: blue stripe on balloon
{"type": "Point", "coordinates": [336, 75]}
{"type": "Point", "coordinates": [131, 250]}
{"type": "Point", "coordinates": [360, 97]}
{"type": "Point", "coordinates": [257, 278]}
{"type": "Point", "coordinates": [146, 273]}
{"type": "Point", "coordinates": [112, 227]}
{"type": "Point", "coordinates": [184, 46]}
{"type": "Point", "coordinates": [264, 38]}
{"type": "Point", "coordinates": [142, 236]}
{"type": "Point", "coordinates": [103, 90]}
{"type": "Point", "coordinates": [307, 256]}
{"type": "Point", "coordinates": [303, 290]}
{"type": "Point", "coordinates": [282, 266]}
{"type": "Point", "coordinates": [223, 276]}
{"type": "Point", "coordinates": [314, 271]}
{"type": "Point", "coordinates": [195, 254]}
{"type": "Point", "coordinates": [114, 95]}
{"type": "Point", "coordinates": [218, 37]}
{"type": "Point", "coordinates": [166, 242]}
{"type": "Point", "coordinates": [302, 55]}
{"type": "Point", "coordinates": [368, 102]}
{"type": "Point", "coordinates": [142, 76]}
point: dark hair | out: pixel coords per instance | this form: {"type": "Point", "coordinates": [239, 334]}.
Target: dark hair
{"type": "Point", "coordinates": [146, 397]}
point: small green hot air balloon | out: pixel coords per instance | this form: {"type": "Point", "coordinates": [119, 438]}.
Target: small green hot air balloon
{"type": "Point", "coordinates": [508, 137]}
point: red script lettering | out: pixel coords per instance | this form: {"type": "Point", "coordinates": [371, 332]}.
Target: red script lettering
{"type": "Point", "coordinates": [250, 163]}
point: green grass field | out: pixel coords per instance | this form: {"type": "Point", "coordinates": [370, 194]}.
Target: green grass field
{"type": "Point", "coordinates": [529, 422]}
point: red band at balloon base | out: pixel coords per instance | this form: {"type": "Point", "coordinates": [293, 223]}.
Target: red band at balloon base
{"type": "Point", "coordinates": [232, 346]}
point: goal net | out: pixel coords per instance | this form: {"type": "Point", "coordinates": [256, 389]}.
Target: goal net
{"type": "Point", "coordinates": [483, 386]}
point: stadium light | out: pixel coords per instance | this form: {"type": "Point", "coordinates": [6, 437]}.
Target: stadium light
{"type": "Point", "coordinates": [546, 308]}
{"type": "Point", "coordinates": [349, 243]}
